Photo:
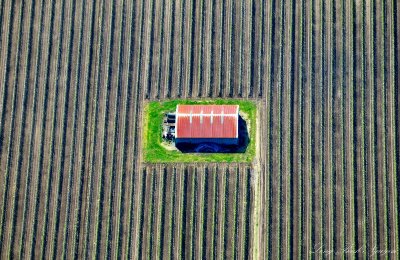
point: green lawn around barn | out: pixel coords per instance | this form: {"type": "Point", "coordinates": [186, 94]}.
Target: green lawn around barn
{"type": "Point", "coordinates": [154, 152]}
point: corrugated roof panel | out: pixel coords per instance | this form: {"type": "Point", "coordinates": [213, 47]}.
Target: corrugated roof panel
{"type": "Point", "coordinates": [208, 109]}
{"type": "Point", "coordinates": [183, 126]}
{"type": "Point", "coordinates": [218, 129]}
{"type": "Point", "coordinates": [206, 126]}
{"type": "Point", "coordinates": [207, 121]}
{"type": "Point", "coordinates": [196, 127]}
{"type": "Point", "coordinates": [227, 126]}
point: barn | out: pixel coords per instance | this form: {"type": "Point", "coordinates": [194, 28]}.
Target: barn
{"type": "Point", "coordinates": [197, 124]}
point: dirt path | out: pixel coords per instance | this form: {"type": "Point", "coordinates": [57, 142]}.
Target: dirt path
{"type": "Point", "coordinates": [259, 192]}
{"type": "Point", "coordinates": [265, 80]}
{"type": "Point", "coordinates": [396, 19]}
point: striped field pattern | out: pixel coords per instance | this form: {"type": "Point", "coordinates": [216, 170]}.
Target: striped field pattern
{"type": "Point", "coordinates": [74, 76]}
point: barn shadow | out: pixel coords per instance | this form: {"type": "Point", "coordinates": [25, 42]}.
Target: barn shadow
{"type": "Point", "coordinates": [241, 147]}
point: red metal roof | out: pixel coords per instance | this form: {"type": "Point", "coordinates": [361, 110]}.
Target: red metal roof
{"type": "Point", "coordinates": [207, 121]}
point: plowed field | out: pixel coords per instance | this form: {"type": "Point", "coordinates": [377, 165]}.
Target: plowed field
{"type": "Point", "coordinates": [74, 78]}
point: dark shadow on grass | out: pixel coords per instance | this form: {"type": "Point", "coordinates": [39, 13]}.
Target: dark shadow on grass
{"type": "Point", "coordinates": [209, 147]}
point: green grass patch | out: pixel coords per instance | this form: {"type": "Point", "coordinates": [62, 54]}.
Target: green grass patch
{"type": "Point", "coordinates": [154, 152]}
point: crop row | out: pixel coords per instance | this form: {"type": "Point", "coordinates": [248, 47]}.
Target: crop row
{"type": "Point", "coordinates": [184, 224]}
{"type": "Point", "coordinates": [345, 104]}
{"type": "Point", "coordinates": [73, 77]}
{"type": "Point", "coordinates": [208, 56]}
